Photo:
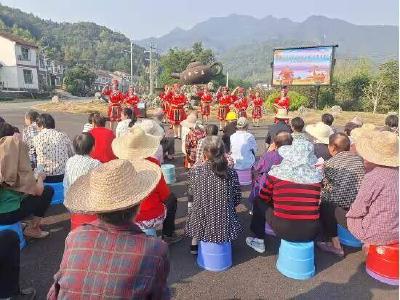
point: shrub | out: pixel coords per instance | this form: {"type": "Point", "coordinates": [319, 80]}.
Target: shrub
{"type": "Point", "coordinates": [296, 99]}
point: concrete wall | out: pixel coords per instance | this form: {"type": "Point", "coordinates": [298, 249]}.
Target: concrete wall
{"type": "Point", "coordinates": [13, 78]}
{"type": "Point", "coordinates": [7, 52]}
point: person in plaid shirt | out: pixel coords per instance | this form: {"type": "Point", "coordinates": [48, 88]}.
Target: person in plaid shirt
{"type": "Point", "coordinates": [111, 258]}
{"type": "Point", "coordinates": [344, 173]}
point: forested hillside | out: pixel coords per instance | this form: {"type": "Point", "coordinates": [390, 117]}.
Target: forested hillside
{"type": "Point", "coordinates": [72, 43]}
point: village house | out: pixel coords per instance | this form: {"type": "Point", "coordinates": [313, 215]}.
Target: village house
{"type": "Point", "coordinates": [18, 64]}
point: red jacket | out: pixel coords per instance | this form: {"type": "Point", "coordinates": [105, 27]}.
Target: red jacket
{"type": "Point", "coordinates": [103, 138]}
{"type": "Point", "coordinates": [153, 207]}
{"type": "Point", "coordinates": [285, 103]}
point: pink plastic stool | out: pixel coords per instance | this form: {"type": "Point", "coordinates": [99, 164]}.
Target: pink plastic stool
{"type": "Point", "coordinates": [244, 177]}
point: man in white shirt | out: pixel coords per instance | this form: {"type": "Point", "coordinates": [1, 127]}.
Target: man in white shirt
{"type": "Point", "coordinates": [123, 125]}
{"type": "Point", "coordinates": [243, 146]}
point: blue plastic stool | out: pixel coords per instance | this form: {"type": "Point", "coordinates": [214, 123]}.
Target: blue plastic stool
{"type": "Point", "coordinates": [296, 260]}
{"type": "Point", "coordinates": [215, 257]}
{"type": "Point", "coordinates": [58, 197]}
{"type": "Point", "coordinates": [150, 232]}
{"type": "Point", "coordinates": [347, 239]}
{"type": "Point", "coordinates": [18, 229]}
{"type": "Point", "coordinates": [168, 171]}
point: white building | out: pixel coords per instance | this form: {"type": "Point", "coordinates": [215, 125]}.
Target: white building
{"type": "Point", "coordinates": [18, 63]}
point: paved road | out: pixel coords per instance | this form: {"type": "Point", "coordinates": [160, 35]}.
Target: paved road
{"type": "Point", "coordinates": [252, 276]}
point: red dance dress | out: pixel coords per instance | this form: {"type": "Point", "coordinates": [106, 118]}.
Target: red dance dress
{"type": "Point", "coordinates": [284, 103]}
{"type": "Point", "coordinates": [165, 101]}
{"type": "Point", "coordinates": [241, 106]}
{"type": "Point", "coordinates": [257, 108]}
{"type": "Point", "coordinates": [177, 112]}
{"type": "Point", "coordinates": [206, 100]}
{"type": "Point", "coordinates": [115, 99]}
{"type": "Point", "coordinates": [223, 109]}
{"type": "Point", "coordinates": [132, 100]}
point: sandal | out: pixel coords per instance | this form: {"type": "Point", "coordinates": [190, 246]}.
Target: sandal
{"type": "Point", "coordinates": [35, 234]}
{"type": "Point", "coordinates": [328, 247]}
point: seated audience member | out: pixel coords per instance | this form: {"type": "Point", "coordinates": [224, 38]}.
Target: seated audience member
{"type": "Point", "coordinates": [267, 160]}
{"type": "Point", "coordinates": [358, 132]}
{"type": "Point", "coordinates": [187, 125]}
{"type": "Point", "coordinates": [328, 119]}
{"type": "Point", "coordinates": [151, 127]}
{"type": "Point", "coordinates": [282, 120]}
{"type": "Point", "coordinates": [81, 163]}
{"type": "Point", "coordinates": [229, 129]}
{"type": "Point", "coordinates": [216, 192]}
{"type": "Point", "coordinates": [392, 123]}
{"type": "Point", "coordinates": [21, 194]}
{"type": "Point", "coordinates": [289, 198]}
{"type": "Point", "coordinates": [243, 146]}
{"type": "Point", "coordinates": [357, 120]}
{"type": "Point", "coordinates": [373, 217]}
{"type": "Point", "coordinates": [320, 133]}
{"type": "Point", "coordinates": [159, 207]}
{"type": "Point", "coordinates": [348, 128]}
{"type": "Point", "coordinates": [343, 175]}
{"type": "Point", "coordinates": [111, 258]}
{"type": "Point", "coordinates": [89, 125]}
{"type": "Point", "coordinates": [167, 142]}
{"type": "Point", "coordinates": [52, 149]}
{"type": "Point", "coordinates": [103, 138]}
{"type": "Point", "coordinates": [29, 132]}
{"type": "Point", "coordinates": [123, 125]}
{"type": "Point", "coordinates": [10, 268]}
{"type": "Point", "coordinates": [191, 143]}
{"type": "Point", "coordinates": [297, 125]}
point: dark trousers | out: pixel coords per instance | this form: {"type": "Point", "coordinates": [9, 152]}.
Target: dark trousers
{"type": "Point", "coordinates": [30, 205]}
{"type": "Point", "coordinates": [168, 145]}
{"type": "Point", "coordinates": [54, 178]}
{"type": "Point", "coordinates": [289, 230]}
{"type": "Point", "coordinates": [169, 221]}
{"type": "Point", "coordinates": [9, 263]}
{"type": "Point", "coordinates": [331, 215]}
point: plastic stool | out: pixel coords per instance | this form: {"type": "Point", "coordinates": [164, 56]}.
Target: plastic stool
{"type": "Point", "coordinates": [269, 230]}
{"type": "Point", "coordinates": [244, 177]}
{"type": "Point", "coordinates": [296, 260]}
{"type": "Point", "coordinates": [214, 257]}
{"type": "Point", "coordinates": [346, 238]}
{"type": "Point", "coordinates": [150, 232]}
{"type": "Point", "coordinates": [383, 263]}
{"type": "Point", "coordinates": [18, 229]}
{"type": "Point", "coordinates": [79, 219]}
{"type": "Point", "coordinates": [168, 171]}
{"type": "Point", "coordinates": [58, 197]}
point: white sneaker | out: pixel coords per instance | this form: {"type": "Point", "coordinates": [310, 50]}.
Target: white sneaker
{"type": "Point", "coordinates": [256, 244]}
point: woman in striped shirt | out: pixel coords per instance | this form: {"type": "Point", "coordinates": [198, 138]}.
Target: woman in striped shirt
{"type": "Point", "coordinates": [289, 198]}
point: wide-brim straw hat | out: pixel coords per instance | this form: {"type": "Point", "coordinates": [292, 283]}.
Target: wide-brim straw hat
{"type": "Point", "coordinates": [135, 144]}
{"type": "Point", "coordinates": [113, 186]}
{"type": "Point", "coordinates": [379, 147]}
{"type": "Point", "coordinates": [151, 127]}
{"type": "Point", "coordinates": [282, 113]}
{"type": "Point", "coordinates": [365, 130]}
{"type": "Point", "coordinates": [320, 132]}
{"type": "Point", "coordinates": [190, 121]}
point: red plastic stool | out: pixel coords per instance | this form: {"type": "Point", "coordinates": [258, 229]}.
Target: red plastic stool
{"type": "Point", "coordinates": [79, 219]}
{"type": "Point", "coordinates": [383, 263]}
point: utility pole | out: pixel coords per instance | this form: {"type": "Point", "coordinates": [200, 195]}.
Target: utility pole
{"type": "Point", "coordinates": [151, 79]}
{"type": "Point", "coordinates": [131, 62]}
{"type": "Point", "coordinates": [227, 79]}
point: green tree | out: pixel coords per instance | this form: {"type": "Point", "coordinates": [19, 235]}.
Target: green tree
{"type": "Point", "coordinates": [79, 80]}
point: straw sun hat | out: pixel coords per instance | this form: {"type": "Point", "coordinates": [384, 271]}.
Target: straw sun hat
{"type": "Point", "coordinates": [151, 127]}
{"type": "Point", "coordinates": [379, 147]}
{"type": "Point", "coordinates": [136, 144]}
{"type": "Point", "coordinates": [242, 123]}
{"type": "Point", "coordinates": [364, 130]}
{"type": "Point", "coordinates": [320, 132]}
{"type": "Point", "coordinates": [113, 186]}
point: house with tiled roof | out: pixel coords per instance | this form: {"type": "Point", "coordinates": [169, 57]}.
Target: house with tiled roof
{"type": "Point", "coordinates": [18, 63]}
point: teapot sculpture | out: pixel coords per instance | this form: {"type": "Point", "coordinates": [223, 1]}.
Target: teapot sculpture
{"type": "Point", "coordinates": [196, 73]}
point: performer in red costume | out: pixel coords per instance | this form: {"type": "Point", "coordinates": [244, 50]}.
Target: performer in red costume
{"type": "Point", "coordinates": [166, 97]}
{"type": "Point", "coordinates": [283, 101]}
{"type": "Point", "coordinates": [132, 100]}
{"type": "Point", "coordinates": [257, 109]}
{"type": "Point", "coordinates": [225, 102]}
{"type": "Point", "coordinates": [206, 100]}
{"type": "Point", "coordinates": [240, 102]}
{"type": "Point", "coordinates": [177, 111]}
{"type": "Point", "coordinates": [115, 99]}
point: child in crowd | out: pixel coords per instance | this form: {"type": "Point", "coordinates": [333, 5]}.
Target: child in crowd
{"type": "Point", "coordinates": [297, 125]}
{"type": "Point", "coordinates": [328, 119]}
{"type": "Point", "coordinates": [216, 193]}
{"type": "Point", "coordinates": [89, 125]}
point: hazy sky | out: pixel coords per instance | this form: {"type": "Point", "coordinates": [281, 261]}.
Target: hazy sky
{"type": "Point", "coordinates": [144, 18]}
